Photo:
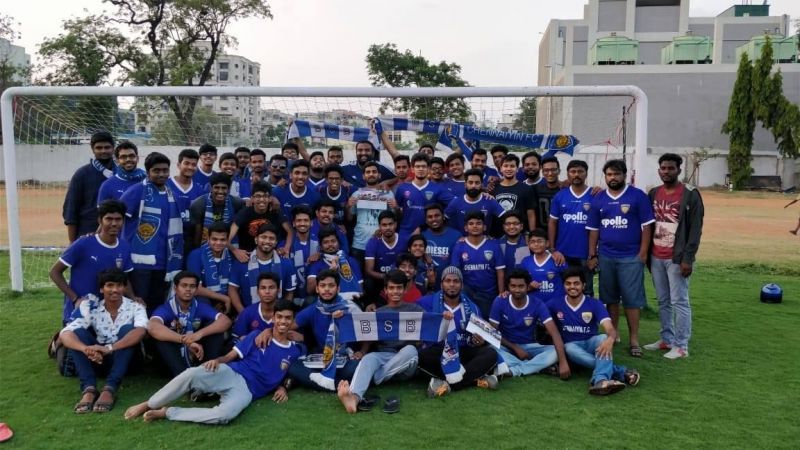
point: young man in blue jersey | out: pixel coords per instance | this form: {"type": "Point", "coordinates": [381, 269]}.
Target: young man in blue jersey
{"type": "Point", "coordinates": [258, 316]}
{"type": "Point", "coordinates": [513, 244]}
{"type": "Point", "coordinates": [213, 262]}
{"type": "Point", "coordinates": [185, 189]}
{"type": "Point", "coordinates": [185, 330]}
{"type": "Point", "coordinates": [244, 276]}
{"type": "Point", "coordinates": [303, 246]}
{"type": "Point", "coordinates": [441, 239]}
{"type": "Point", "coordinates": [324, 219]}
{"type": "Point", "coordinates": [89, 255]}
{"type": "Point", "coordinates": [545, 272]}
{"type": "Point", "coordinates": [217, 206]}
{"type": "Point", "coordinates": [454, 183]}
{"type": "Point", "coordinates": [569, 211]}
{"type": "Point", "coordinates": [577, 318]}
{"type": "Point", "coordinates": [489, 175]}
{"type": "Point", "coordinates": [228, 164]}
{"type": "Point", "coordinates": [381, 255]}
{"type": "Point", "coordinates": [390, 359]}
{"type": "Point", "coordinates": [516, 315]}
{"type": "Point", "coordinates": [619, 239]}
{"type": "Point", "coordinates": [412, 197]}
{"type": "Point", "coordinates": [154, 229]}
{"type": "Point", "coordinates": [205, 167]}
{"type": "Point", "coordinates": [278, 165]}
{"type": "Point", "coordinates": [244, 375]}
{"type": "Point", "coordinates": [480, 260]}
{"type": "Point", "coordinates": [333, 190]}
{"type": "Point", "coordinates": [125, 175]}
{"type": "Point", "coordinates": [354, 171]}
{"type": "Point", "coordinates": [297, 192]}
{"type": "Point", "coordinates": [472, 200]}
{"type": "Point", "coordinates": [332, 257]}
{"type": "Point", "coordinates": [316, 174]}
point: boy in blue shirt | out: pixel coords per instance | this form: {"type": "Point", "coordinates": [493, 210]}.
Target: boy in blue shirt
{"type": "Point", "coordinates": [258, 316]}
{"type": "Point", "coordinates": [541, 266]}
{"type": "Point", "coordinates": [472, 200]}
{"type": "Point", "coordinates": [381, 255]}
{"type": "Point", "coordinates": [245, 374]}
{"type": "Point", "coordinates": [441, 239]}
{"type": "Point", "coordinates": [213, 262]}
{"type": "Point", "coordinates": [125, 175]}
{"type": "Point", "coordinates": [297, 192]}
{"type": "Point", "coordinates": [414, 196]}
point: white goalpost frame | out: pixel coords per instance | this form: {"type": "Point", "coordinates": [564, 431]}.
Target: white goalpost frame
{"type": "Point", "coordinates": [9, 144]}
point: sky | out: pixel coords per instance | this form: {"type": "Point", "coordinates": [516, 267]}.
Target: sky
{"type": "Point", "coordinates": [325, 42]}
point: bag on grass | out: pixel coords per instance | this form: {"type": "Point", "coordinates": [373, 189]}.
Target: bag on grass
{"type": "Point", "coordinates": [64, 362]}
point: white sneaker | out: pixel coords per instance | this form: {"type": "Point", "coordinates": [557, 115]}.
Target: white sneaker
{"type": "Point", "coordinates": [676, 353]}
{"type": "Point", "coordinates": [657, 345]}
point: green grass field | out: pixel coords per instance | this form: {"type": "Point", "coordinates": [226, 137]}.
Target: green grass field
{"type": "Point", "coordinates": [739, 388]}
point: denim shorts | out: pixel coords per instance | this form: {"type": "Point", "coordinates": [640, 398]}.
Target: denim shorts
{"type": "Point", "coordinates": [622, 279]}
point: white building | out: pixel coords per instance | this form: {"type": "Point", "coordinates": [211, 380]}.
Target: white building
{"type": "Point", "coordinates": [15, 55]}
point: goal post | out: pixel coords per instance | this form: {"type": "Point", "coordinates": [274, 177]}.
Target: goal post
{"type": "Point", "coordinates": [364, 100]}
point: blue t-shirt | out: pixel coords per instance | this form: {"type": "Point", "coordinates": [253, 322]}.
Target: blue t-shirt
{"type": "Point", "coordinates": [517, 324]}
{"type": "Point", "coordinates": [202, 179]}
{"type": "Point", "coordinates": [572, 213]}
{"type": "Point", "coordinates": [460, 206]}
{"type": "Point", "coordinates": [349, 281]}
{"type": "Point", "coordinates": [194, 263]}
{"type": "Point", "coordinates": [263, 370]}
{"type": "Point", "coordinates": [240, 277]}
{"type": "Point", "coordinates": [113, 188]}
{"type": "Point", "coordinates": [490, 172]}
{"type": "Point", "coordinates": [548, 275]}
{"type": "Point", "coordinates": [132, 198]}
{"type": "Point", "coordinates": [385, 256]}
{"type": "Point", "coordinates": [513, 254]}
{"type": "Point", "coordinates": [454, 187]}
{"type": "Point", "coordinates": [413, 199]}
{"type": "Point", "coordinates": [316, 227]}
{"type": "Point", "coordinates": [86, 258]}
{"type": "Point", "coordinates": [340, 199]}
{"type": "Point", "coordinates": [479, 264]}
{"type": "Point", "coordinates": [298, 255]}
{"type": "Point", "coordinates": [620, 220]}
{"type": "Point", "coordinates": [355, 176]}
{"type": "Point", "coordinates": [318, 322]}
{"type": "Point", "coordinates": [580, 323]}
{"type": "Point", "coordinates": [288, 199]}
{"type": "Point", "coordinates": [439, 247]}
{"type": "Point", "coordinates": [250, 319]}
{"type": "Point", "coordinates": [185, 198]}
{"type": "Point", "coordinates": [204, 315]}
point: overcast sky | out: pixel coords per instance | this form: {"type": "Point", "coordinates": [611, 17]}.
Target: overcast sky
{"type": "Point", "coordinates": [324, 42]}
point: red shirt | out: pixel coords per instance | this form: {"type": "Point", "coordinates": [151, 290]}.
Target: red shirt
{"type": "Point", "coordinates": [666, 208]}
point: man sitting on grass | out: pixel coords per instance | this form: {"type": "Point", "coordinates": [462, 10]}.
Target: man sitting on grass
{"type": "Point", "coordinates": [245, 374]}
{"type": "Point", "coordinates": [578, 317]}
{"type": "Point", "coordinates": [103, 335]}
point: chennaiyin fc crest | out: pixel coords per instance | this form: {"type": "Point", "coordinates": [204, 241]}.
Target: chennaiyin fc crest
{"type": "Point", "coordinates": [625, 208]}
{"type": "Point", "coordinates": [586, 316]}
{"type": "Point", "coordinates": [488, 254]}
{"type": "Point", "coordinates": [428, 195]}
{"type": "Point", "coordinates": [528, 321]}
{"type": "Point", "coordinates": [587, 206]}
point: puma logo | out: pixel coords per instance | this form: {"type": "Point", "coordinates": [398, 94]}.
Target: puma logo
{"type": "Point", "coordinates": [94, 258]}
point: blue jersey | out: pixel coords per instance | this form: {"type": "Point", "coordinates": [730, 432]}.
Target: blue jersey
{"type": "Point", "coordinates": [340, 199]}
{"type": "Point", "coordinates": [620, 220]}
{"type": "Point", "coordinates": [204, 315]}
{"type": "Point", "coordinates": [490, 172]}
{"type": "Point", "coordinates": [547, 274]}
{"type": "Point", "coordinates": [251, 319]}
{"type": "Point", "coordinates": [439, 247]}
{"type": "Point", "coordinates": [413, 199]}
{"type": "Point", "coordinates": [184, 198]}
{"type": "Point", "coordinates": [354, 175]}
{"type": "Point", "coordinates": [514, 253]}
{"type": "Point", "coordinates": [517, 324]}
{"type": "Point", "coordinates": [240, 277]}
{"type": "Point", "coordinates": [298, 255]}
{"type": "Point", "coordinates": [316, 227]}
{"type": "Point", "coordinates": [288, 199]}
{"type": "Point", "coordinates": [460, 206]}
{"type": "Point", "coordinates": [194, 263]}
{"type": "Point", "coordinates": [113, 188]}
{"type": "Point", "coordinates": [86, 258]}
{"type": "Point", "coordinates": [572, 213]}
{"type": "Point", "coordinates": [202, 179]}
{"type": "Point", "coordinates": [577, 324]}
{"type": "Point", "coordinates": [318, 322]}
{"type": "Point", "coordinates": [479, 264]}
{"type": "Point", "coordinates": [132, 199]}
{"type": "Point", "coordinates": [385, 256]}
{"type": "Point", "coordinates": [349, 279]}
{"type": "Point", "coordinates": [455, 187]}
{"type": "Point", "coordinates": [264, 370]}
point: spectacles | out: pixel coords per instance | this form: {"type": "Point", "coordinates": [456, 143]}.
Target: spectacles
{"type": "Point", "coordinates": [259, 196]}
{"type": "Point", "coordinates": [123, 157]}
{"type": "Point", "coordinates": [275, 166]}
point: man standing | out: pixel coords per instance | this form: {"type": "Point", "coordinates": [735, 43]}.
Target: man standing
{"type": "Point", "coordinates": [185, 189]}
{"type": "Point", "coordinates": [478, 161]}
{"type": "Point", "coordinates": [258, 165]}
{"type": "Point", "coordinates": [277, 170]}
{"type": "Point", "coordinates": [679, 213]}
{"type": "Point", "coordinates": [325, 214]}
{"type": "Point", "coordinates": [217, 206]}
{"type": "Point", "coordinates": [381, 254]}
{"type": "Point", "coordinates": [455, 174]}
{"type": "Point", "coordinates": [619, 239]}
{"type": "Point", "coordinates": [208, 155]}
{"type": "Point", "coordinates": [414, 196]}
{"type": "Point", "coordinates": [248, 220]}
{"type": "Point", "coordinates": [335, 155]}
{"type": "Point", "coordinates": [213, 262]}
{"type": "Point", "coordinates": [364, 207]}
{"type": "Point", "coordinates": [297, 192]}
{"type": "Point", "coordinates": [126, 174]}
{"type": "Point", "coordinates": [351, 283]}
{"type": "Point", "coordinates": [317, 165]}
{"type": "Point", "coordinates": [302, 247]}
{"type": "Point", "coordinates": [472, 200]}
{"type": "Point", "coordinates": [80, 203]}
{"type": "Point", "coordinates": [354, 171]}
{"type": "Point", "coordinates": [514, 195]}
{"type": "Point", "coordinates": [440, 238]}
{"type": "Point", "coordinates": [531, 167]}
{"type": "Point", "coordinates": [547, 190]}
{"type": "Point", "coordinates": [334, 191]}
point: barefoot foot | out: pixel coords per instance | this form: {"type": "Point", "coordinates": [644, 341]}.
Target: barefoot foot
{"type": "Point", "coordinates": [348, 399]}
{"type": "Point", "coordinates": [155, 414]}
{"type": "Point", "coordinates": [136, 411]}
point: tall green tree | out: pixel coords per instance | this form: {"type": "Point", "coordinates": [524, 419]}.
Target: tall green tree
{"type": "Point", "coordinates": [526, 120]}
{"type": "Point", "coordinates": [740, 125]}
{"type": "Point", "coordinates": [206, 127]}
{"type": "Point", "coordinates": [155, 43]}
{"type": "Point", "coordinates": [10, 74]}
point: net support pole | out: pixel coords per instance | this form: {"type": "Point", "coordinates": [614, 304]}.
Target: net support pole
{"type": "Point", "coordinates": [9, 148]}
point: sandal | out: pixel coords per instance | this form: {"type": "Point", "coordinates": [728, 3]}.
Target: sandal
{"type": "Point", "coordinates": [84, 407]}
{"type": "Point", "coordinates": [392, 405]}
{"type": "Point", "coordinates": [104, 407]}
{"type": "Point", "coordinates": [632, 377]}
{"type": "Point", "coordinates": [606, 387]}
{"type": "Point", "coordinates": [368, 402]}
{"type": "Point", "coordinates": [636, 351]}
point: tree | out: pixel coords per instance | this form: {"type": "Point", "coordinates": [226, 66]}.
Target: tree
{"type": "Point", "coordinates": [206, 126]}
{"type": "Point", "coordinates": [387, 66]}
{"type": "Point", "coordinates": [10, 74]}
{"type": "Point", "coordinates": [174, 43]}
{"type": "Point", "coordinates": [740, 125]}
{"type": "Point", "coordinates": [526, 120]}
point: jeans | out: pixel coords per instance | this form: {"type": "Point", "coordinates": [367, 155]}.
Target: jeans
{"type": "Point", "coordinates": [622, 278]}
{"type": "Point", "coordinates": [672, 290]}
{"type": "Point", "coordinates": [172, 353]}
{"type": "Point", "coordinates": [583, 354]}
{"type": "Point", "coordinates": [115, 364]}
{"type": "Point", "coordinates": [543, 356]}
{"type": "Point", "coordinates": [231, 387]}
{"type": "Point", "coordinates": [302, 374]}
{"type": "Point", "coordinates": [381, 366]}
{"type": "Point", "coordinates": [477, 362]}
{"type": "Point", "coordinates": [589, 274]}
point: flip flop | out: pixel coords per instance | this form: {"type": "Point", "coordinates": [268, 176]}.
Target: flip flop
{"type": "Point", "coordinates": [5, 432]}
{"type": "Point", "coordinates": [368, 402]}
{"type": "Point", "coordinates": [636, 351]}
{"type": "Point", "coordinates": [391, 405]}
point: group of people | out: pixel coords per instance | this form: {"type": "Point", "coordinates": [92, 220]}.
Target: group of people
{"type": "Point", "coordinates": [234, 280]}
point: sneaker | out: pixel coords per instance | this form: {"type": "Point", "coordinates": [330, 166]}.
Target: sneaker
{"type": "Point", "coordinates": [676, 353]}
{"type": "Point", "coordinates": [657, 345]}
{"type": "Point", "coordinates": [438, 388]}
{"type": "Point", "coordinates": [487, 382]}
{"type": "Point", "coordinates": [606, 387]}
{"type": "Point", "coordinates": [632, 377]}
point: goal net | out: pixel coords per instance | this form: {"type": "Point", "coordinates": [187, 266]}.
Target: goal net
{"type": "Point", "coordinates": [51, 138]}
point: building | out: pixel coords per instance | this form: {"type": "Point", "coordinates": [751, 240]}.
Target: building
{"type": "Point", "coordinates": [686, 66]}
{"type": "Point", "coordinates": [14, 55]}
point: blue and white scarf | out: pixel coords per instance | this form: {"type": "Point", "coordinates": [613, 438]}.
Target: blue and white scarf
{"type": "Point", "coordinates": [185, 322]}
{"type": "Point", "coordinates": [216, 275]}
{"type": "Point", "coordinates": [305, 128]}
{"type": "Point", "coordinates": [391, 326]}
{"type": "Point", "coordinates": [144, 244]}
{"type": "Point", "coordinates": [253, 270]}
{"type": "Point", "coordinates": [208, 218]}
{"type": "Point", "coordinates": [450, 360]}
{"type": "Point", "coordinates": [331, 348]}
{"type": "Point", "coordinates": [98, 166]}
{"type": "Point", "coordinates": [134, 176]}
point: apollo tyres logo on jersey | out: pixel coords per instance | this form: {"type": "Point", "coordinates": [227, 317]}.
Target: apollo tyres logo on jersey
{"type": "Point", "coordinates": [616, 222]}
{"type": "Point", "coordinates": [547, 286]}
{"type": "Point", "coordinates": [578, 217]}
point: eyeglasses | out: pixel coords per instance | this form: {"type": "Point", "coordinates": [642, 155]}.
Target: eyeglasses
{"type": "Point", "coordinates": [124, 157]}
{"type": "Point", "coordinates": [276, 166]}
{"type": "Point", "coordinates": [259, 196]}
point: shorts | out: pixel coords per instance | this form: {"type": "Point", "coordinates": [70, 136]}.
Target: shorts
{"type": "Point", "coordinates": [622, 279]}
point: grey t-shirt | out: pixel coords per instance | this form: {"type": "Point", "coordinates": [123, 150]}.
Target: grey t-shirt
{"type": "Point", "coordinates": [395, 346]}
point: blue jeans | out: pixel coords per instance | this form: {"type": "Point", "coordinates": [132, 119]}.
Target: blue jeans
{"type": "Point", "coordinates": [622, 279]}
{"type": "Point", "coordinates": [115, 364]}
{"type": "Point", "coordinates": [672, 290]}
{"type": "Point", "coordinates": [543, 356]}
{"type": "Point", "coordinates": [582, 353]}
{"type": "Point", "coordinates": [381, 366]}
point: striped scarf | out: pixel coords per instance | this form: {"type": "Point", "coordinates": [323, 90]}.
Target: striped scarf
{"type": "Point", "coordinates": [144, 243]}
{"type": "Point", "coordinates": [253, 270]}
{"type": "Point", "coordinates": [216, 275]}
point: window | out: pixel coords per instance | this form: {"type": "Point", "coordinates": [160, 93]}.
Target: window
{"type": "Point", "coordinates": [250, 70]}
{"type": "Point", "coordinates": [223, 66]}
{"type": "Point", "coordinates": [236, 77]}
{"type": "Point", "coordinates": [223, 108]}
{"type": "Point", "coordinates": [236, 66]}
{"type": "Point", "coordinates": [223, 76]}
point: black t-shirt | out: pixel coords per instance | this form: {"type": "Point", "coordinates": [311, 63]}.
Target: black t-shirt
{"type": "Point", "coordinates": [545, 195]}
{"type": "Point", "coordinates": [248, 222]}
{"type": "Point", "coordinates": [197, 210]}
{"type": "Point", "coordinates": [519, 197]}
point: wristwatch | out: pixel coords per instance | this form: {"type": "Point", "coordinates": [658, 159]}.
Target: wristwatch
{"type": "Point", "coordinates": [110, 348]}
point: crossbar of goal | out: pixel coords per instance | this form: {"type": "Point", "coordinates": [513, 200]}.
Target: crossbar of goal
{"type": "Point", "coordinates": [9, 147]}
